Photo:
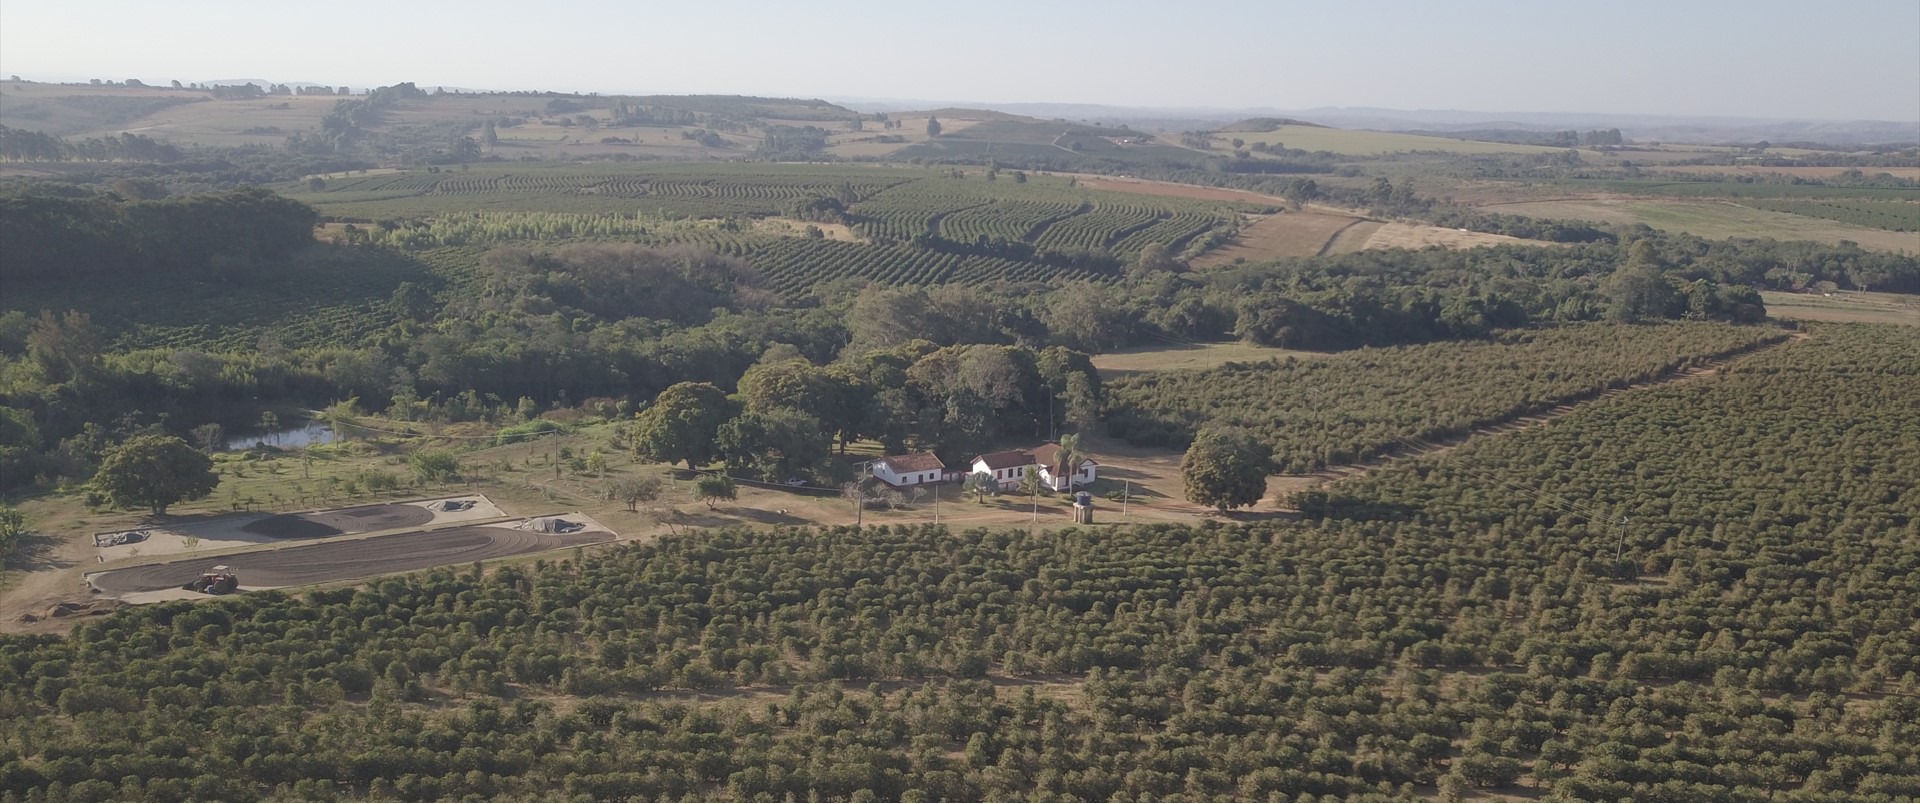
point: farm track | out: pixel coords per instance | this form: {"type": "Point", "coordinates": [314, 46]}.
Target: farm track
{"type": "Point", "coordinates": [1284, 484]}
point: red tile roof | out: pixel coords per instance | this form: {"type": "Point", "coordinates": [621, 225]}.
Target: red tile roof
{"type": "Point", "coordinates": [915, 462]}
{"type": "Point", "coordinates": [1005, 460]}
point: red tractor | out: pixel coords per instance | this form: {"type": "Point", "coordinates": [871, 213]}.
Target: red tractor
{"type": "Point", "coordinates": [217, 581]}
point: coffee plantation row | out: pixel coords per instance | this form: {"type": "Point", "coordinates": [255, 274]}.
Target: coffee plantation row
{"type": "Point", "coordinates": [1476, 621]}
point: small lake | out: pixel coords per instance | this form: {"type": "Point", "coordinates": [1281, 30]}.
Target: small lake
{"type": "Point", "coordinates": [306, 435]}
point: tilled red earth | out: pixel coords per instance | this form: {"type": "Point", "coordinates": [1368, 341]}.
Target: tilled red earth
{"type": "Point", "coordinates": [364, 519]}
{"type": "Point", "coordinates": [347, 560]}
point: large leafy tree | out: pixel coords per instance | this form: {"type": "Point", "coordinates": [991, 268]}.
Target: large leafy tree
{"type": "Point", "coordinates": [683, 424]}
{"type": "Point", "coordinates": [155, 472]}
{"type": "Point", "coordinates": [775, 443]}
{"type": "Point", "coordinates": [1225, 468]}
{"type": "Point", "coordinates": [837, 397]}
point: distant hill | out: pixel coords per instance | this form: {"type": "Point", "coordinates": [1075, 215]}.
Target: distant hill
{"type": "Point", "coordinates": [1263, 124]}
{"type": "Point", "coordinates": [963, 113]}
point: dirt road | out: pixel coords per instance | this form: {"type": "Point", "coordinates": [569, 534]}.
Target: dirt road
{"type": "Point", "coordinates": [347, 560]}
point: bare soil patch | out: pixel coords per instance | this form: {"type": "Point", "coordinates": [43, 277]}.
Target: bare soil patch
{"type": "Point", "coordinates": [1418, 236]}
{"type": "Point", "coordinates": [789, 227]}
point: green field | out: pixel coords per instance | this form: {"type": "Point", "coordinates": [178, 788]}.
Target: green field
{"type": "Point", "coordinates": [1185, 357]}
{"type": "Point", "coordinates": [1732, 189]}
{"type": "Point", "coordinates": [1893, 216]}
{"type": "Point", "coordinates": [1372, 143]}
{"type": "Point", "coordinates": [1713, 219]}
{"type": "Point", "coordinates": [322, 297]}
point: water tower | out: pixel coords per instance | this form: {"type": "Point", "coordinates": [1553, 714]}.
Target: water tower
{"type": "Point", "coordinates": [1083, 508]}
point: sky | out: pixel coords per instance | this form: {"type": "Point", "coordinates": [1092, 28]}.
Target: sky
{"type": "Point", "coordinates": [1834, 60]}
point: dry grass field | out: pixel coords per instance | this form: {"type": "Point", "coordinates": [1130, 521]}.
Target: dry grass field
{"type": "Point", "coordinates": [1417, 236]}
{"type": "Point", "coordinates": [1845, 306]}
{"type": "Point", "coordinates": [1358, 237]}
{"type": "Point", "coordinates": [1288, 234]}
{"type": "Point", "coordinates": [1713, 219]}
{"type": "Point", "coordinates": [1308, 234]}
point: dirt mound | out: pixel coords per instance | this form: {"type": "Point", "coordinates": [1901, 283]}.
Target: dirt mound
{"type": "Point", "coordinates": [91, 608]}
{"type": "Point", "coordinates": [552, 524]}
{"type": "Point", "coordinates": [335, 523]}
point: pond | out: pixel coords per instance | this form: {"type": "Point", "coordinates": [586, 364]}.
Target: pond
{"type": "Point", "coordinates": [306, 435]}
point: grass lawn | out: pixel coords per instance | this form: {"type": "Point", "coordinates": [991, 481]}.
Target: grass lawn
{"type": "Point", "coordinates": [1714, 219]}
{"type": "Point", "coordinates": [1845, 306]}
{"type": "Point", "coordinates": [1177, 357]}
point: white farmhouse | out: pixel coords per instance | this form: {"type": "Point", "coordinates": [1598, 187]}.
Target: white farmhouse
{"type": "Point", "coordinates": [1058, 477]}
{"type": "Point", "coordinates": [902, 471]}
{"type": "Point", "coordinates": [1009, 468]}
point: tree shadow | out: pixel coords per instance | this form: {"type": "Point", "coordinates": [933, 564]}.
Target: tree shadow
{"type": "Point", "coordinates": [767, 517]}
{"type": "Point", "coordinates": [35, 553]}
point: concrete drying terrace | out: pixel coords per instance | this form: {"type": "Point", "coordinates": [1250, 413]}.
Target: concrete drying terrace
{"type": "Point", "coordinates": [248, 530]}
{"type": "Point", "coordinates": [351, 559]}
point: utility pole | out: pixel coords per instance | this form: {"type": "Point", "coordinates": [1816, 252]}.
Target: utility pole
{"type": "Point", "coordinates": [1126, 494]}
{"type": "Point", "coordinates": [1620, 548]}
{"type": "Point", "coordinates": [936, 504]}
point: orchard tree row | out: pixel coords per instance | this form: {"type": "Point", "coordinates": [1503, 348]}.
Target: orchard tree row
{"type": "Point", "coordinates": [1313, 411]}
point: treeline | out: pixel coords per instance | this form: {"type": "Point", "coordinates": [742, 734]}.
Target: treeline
{"type": "Point", "coordinates": [348, 119]}
{"type": "Point", "coordinates": [789, 143]}
{"type": "Point", "coordinates": [50, 234]}
{"type": "Point", "coordinates": [21, 145]}
{"type": "Point", "coordinates": [789, 413]}
{"type": "Point", "coordinates": [1378, 298]}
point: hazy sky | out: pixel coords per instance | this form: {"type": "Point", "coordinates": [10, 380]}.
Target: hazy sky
{"type": "Point", "coordinates": [1835, 59]}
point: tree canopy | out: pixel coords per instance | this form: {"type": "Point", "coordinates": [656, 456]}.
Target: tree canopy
{"type": "Point", "coordinates": [1226, 467]}
{"type": "Point", "coordinates": [683, 424]}
{"type": "Point", "coordinates": [154, 472]}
